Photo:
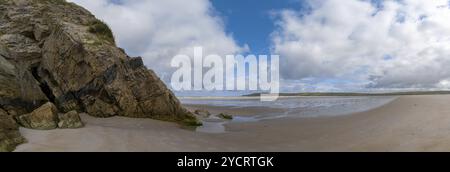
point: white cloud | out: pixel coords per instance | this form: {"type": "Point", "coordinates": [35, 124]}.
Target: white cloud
{"type": "Point", "coordinates": [158, 30]}
{"type": "Point", "coordinates": [403, 44]}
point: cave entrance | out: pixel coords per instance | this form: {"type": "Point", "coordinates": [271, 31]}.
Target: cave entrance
{"type": "Point", "coordinates": [45, 88]}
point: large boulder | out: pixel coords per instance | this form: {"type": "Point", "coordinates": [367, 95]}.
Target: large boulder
{"type": "Point", "coordinates": [43, 118]}
{"type": "Point", "coordinates": [19, 92]}
{"type": "Point", "coordinates": [59, 52]}
{"type": "Point", "coordinates": [9, 133]}
{"type": "Point", "coordinates": [70, 120]}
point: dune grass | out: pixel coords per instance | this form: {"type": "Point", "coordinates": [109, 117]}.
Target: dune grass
{"type": "Point", "coordinates": [102, 30]}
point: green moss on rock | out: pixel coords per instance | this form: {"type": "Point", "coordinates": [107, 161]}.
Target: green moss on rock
{"type": "Point", "coordinates": [194, 122]}
{"type": "Point", "coordinates": [102, 30]}
{"type": "Point", "coordinates": [225, 116]}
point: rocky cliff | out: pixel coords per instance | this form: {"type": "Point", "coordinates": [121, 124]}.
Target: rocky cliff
{"type": "Point", "coordinates": [55, 51]}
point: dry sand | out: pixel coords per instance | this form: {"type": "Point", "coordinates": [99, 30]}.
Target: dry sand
{"type": "Point", "coordinates": [410, 123]}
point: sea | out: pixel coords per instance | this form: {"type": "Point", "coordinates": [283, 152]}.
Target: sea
{"type": "Point", "coordinates": [287, 107]}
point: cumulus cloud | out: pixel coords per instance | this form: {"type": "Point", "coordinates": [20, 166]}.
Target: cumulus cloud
{"type": "Point", "coordinates": [388, 44]}
{"type": "Point", "coordinates": [158, 30]}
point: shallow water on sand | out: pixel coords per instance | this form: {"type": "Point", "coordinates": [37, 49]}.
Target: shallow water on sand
{"type": "Point", "coordinates": [296, 107]}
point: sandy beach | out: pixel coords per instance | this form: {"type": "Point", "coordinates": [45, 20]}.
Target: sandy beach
{"type": "Point", "coordinates": [409, 123]}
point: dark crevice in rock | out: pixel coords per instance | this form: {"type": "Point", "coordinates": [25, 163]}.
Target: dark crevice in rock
{"type": "Point", "coordinates": [135, 62]}
{"type": "Point", "coordinates": [29, 34]}
{"type": "Point", "coordinates": [45, 88]}
{"type": "Point", "coordinates": [28, 106]}
{"type": "Point", "coordinates": [110, 74]}
{"type": "Point", "coordinates": [47, 91]}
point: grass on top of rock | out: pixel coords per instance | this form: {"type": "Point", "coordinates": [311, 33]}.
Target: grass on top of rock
{"type": "Point", "coordinates": [58, 2]}
{"type": "Point", "coordinates": [102, 30]}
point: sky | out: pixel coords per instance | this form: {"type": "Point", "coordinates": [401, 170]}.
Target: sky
{"type": "Point", "coordinates": [324, 45]}
{"type": "Point", "coordinates": [251, 22]}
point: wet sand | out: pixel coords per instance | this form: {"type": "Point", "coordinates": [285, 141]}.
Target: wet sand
{"type": "Point", "coordinates": [409, 123]}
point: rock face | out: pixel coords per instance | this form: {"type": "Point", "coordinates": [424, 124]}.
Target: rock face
{"type": "Point", "coordinates": [43, 118]}
{"type": "Point", "coordinates": [56, 51]}
{"type": "Point", "coordinates": [70, 120]}
{"type": "Point", "coordinates": [52, 50]}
